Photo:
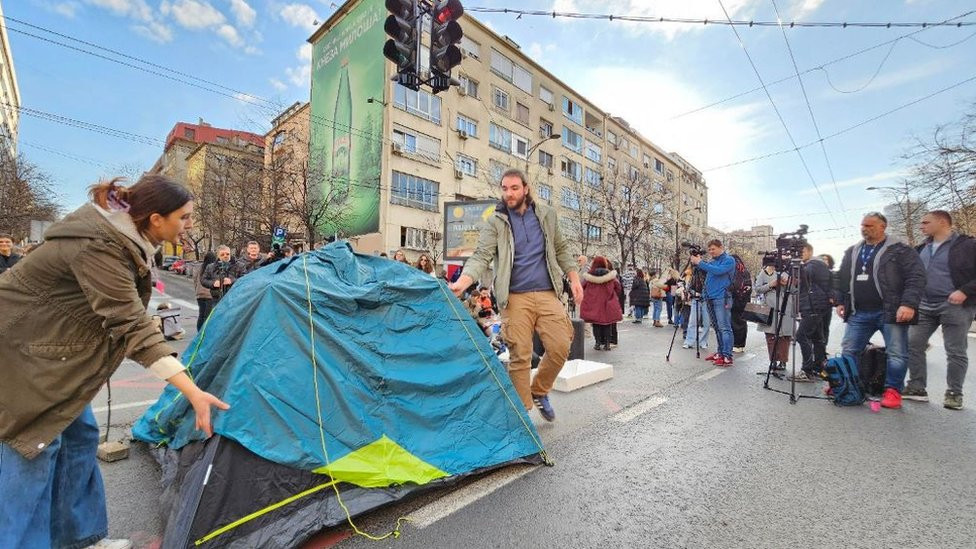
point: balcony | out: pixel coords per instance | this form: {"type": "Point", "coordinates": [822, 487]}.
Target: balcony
{"type": "Point", "coordinates": [594, 125]}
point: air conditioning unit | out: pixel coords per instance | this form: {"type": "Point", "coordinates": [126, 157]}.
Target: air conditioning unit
{"type": "Point", "coordinates": [462, 90]}
{"type": "Point", "coordinates": [550, 170]}
{"type": "Point", "coordinates": [458, 174]}
{"type": "Point", "coordinates": [463, 134]}
{"type": "Point", "coordinates": [647, 165]}
{"type": "Point", "coordinates": [616, 147]}
{"type": "Point", "coordinates": [552, 107]}
{"type": "Point", "coordinates": [397, 148]}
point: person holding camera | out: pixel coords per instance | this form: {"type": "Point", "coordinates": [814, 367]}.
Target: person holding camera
{"type": "Point", "coordinates": [205, 300]}
{"type": "Point", "coordinates": [882, 282]}
{"type": "Point", "coordinates": [778, 335]}
{"type": "Point", "coordinates": [718, 298]}
{"type": "Point", "coordinates": [220, 275]}
{"type": "Point", "coordinates": [814, 302]}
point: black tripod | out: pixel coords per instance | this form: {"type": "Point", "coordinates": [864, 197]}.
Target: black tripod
{"type": "Point", "coordinates": [792, 289]}
{"type": "Point", "coordinates": [696, 306]}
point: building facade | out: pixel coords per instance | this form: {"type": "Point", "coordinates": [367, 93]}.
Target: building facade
{"type": "Point", "coordinates": [9, 95]}
{"type": "Point", "coordinates": [287, 181]}
{"type": "Point", "coordinates": [185, 137]}
{"type": "Point", "coordinates": [509, 112]}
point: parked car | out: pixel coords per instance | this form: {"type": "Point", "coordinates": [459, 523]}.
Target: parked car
{"type": "Point", "coordinates": [168, 261]}
{"type": "Point", "coordinates": [178, 266]}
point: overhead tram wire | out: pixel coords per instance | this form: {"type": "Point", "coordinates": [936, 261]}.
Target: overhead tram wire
{"type": "Point", "coordinates": [813, 118]}
{"type": "Point", "coordinates": [728, 22]}
{"type": "Point", "coordinates": [822, 66]}
{"type": "Point", "coordinates": [843, 131]}
{"type": "Point", "coordinates": [778, 114]}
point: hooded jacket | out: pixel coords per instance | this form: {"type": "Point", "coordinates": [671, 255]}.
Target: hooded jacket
{"type": "Point", "coordinates": [898, 274]}
{"type": "Point", "coordinates": [73, 309]}
{"type": "Point", "coordinates": [815, 288]}
{"type": "Point", "coordinates": [601, 304]}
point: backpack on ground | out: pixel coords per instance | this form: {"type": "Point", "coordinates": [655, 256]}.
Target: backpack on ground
{"type": "Point", "coordinates": [841, 372]}
{"type": "Point", "coordinates": [873, 369]}
{"type": "Point", "coordinates": [741, 286]}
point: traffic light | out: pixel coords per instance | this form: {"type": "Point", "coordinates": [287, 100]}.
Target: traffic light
{"type": "Point", "coordinates": [403, 27]}
{"type": "Point", "coordinates": [444, 33]}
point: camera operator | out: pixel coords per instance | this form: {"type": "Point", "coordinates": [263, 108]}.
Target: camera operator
{"type": "Point", "coordinates": [814, 304]}
{"type": "Point", "coordinates": [277, 253]}
{"type": "Point", "coordinates": [219, 276]}
{"type": "Point", "coordinates": [767, 282]}
{"type": "Point", "coordinates": [718, 298]}
{"type": "Point", "coordinates": [882, 282]}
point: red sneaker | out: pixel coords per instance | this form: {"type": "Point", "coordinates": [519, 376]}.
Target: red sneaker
{"type": "Point", "coordinates": [713, 356]}
{"type": "Point", "coordinates": [891, 399]}
{"type": "Point", "coordinates": [723, 361]}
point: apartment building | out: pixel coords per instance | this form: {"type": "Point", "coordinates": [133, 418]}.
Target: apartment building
{"type": "Point", "coordinates": [9, 95]}
{"type": "Point", "coordinates": [509, 112]}
{"type": "Point", "coordinates": [185, 137]}
{"type": "Point", "coordinates": [286, 148]}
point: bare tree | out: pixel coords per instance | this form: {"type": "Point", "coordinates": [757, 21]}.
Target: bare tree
{"type": "Point", "coordinates": [314, 202]}
{"type": "Point", "coordinates": [229, 205]}
{"type": "Point", "coordinates": [585, 218]}
{"type": "Point", "coordinates": [633, 208]}
{"type": "Point", "coordinates": [26, 193]}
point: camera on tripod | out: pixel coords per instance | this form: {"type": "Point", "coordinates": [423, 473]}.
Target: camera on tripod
{"type": "Point", "coordinates": [693, 249]}
{"type": "Point", "coordinates": [789, 247]}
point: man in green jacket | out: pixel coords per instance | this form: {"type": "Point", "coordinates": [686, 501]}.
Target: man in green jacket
{"type": "Point", "coordinates": [530, 256]}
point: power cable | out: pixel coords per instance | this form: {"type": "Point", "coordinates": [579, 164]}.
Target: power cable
{"type": "Point", "coordinates": [728, 22]}
{"type": "Point", "coordinates": [779, 115]}
{"type": "Point", "coordinates": [813, 118]}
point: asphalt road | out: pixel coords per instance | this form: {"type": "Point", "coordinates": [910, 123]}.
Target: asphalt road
{"type": "Point", "coordinates": [676, 454]}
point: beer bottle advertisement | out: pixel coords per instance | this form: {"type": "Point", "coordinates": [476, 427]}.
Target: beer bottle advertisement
{"type": "Point", "coordinates": [346, 130]}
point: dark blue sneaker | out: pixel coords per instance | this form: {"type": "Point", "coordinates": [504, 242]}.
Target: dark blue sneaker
{"type": "Point", "coordinates": [542, 403]}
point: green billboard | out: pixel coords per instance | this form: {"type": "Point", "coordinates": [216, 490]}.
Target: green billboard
{"type": "Point", "coordinates": [346, 131]}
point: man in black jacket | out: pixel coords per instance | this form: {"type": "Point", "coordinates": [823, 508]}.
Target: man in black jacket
{"type": "Point", "coordinates": [7, 256]}
{"type": "Point", "coordinates": [814, 303]}
{"type": "Point", "coordinates": [949, 301]}
{"type": "Point", "coordinates": [881, 285]}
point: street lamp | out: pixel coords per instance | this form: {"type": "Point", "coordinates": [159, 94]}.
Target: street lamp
{"type": "Point", "coordinates": [905, 206]}
{"type": "Point", "coordinates": [528, 153]}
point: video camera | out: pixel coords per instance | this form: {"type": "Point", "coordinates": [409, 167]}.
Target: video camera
{"type": "Point", "coordinates": [693, 249]}
{"type": "Point", "coordinates": [789, 247]}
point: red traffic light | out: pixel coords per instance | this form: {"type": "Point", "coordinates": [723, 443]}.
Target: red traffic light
{"type": "Point", "coordinates": [448, 10]}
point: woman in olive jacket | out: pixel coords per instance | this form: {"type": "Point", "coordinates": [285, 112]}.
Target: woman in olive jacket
{"type": "Point", "coordinates": [72, 310]}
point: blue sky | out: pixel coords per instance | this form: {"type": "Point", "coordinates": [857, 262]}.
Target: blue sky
{"type": "Point", "coordinates": [647, 73]}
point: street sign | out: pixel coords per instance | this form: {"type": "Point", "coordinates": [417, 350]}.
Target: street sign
{"type": "Point", "coordinates": [462, 226]}
{"type": "Point", "coordinates": [278, 236]}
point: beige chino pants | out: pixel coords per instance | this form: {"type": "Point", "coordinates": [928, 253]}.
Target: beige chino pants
{"type": "Point", "coordinates": [526, 314]}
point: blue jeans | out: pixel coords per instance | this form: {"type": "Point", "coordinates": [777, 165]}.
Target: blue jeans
{"type": "Point", "coordinates": [720, 311]}
{"type": "Point", "coordinates": [669, 302]}
{"type": "Point", "coordinates": [56, 499]}
{"type": "Point", "coordinates": [639, 312]}
{"type": "Point", "coordinates": [696, 307]}
{"type": "Point", "coordinates": [861, 326]}
{"type": "Point", "coordinates": [656, 303]}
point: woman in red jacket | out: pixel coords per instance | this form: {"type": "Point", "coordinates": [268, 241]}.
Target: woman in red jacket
{"type": "Point", "coordinates": [602, 304]}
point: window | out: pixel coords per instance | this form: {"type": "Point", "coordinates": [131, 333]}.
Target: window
{"type": "Point", "coordinates": [416, 239]}
{"type": "Point", "coordinates": [669, 176]}
{"type": "Point", "coordinates": [594, 233]}
{"type": "Point", "coordinates": [611, 137]}
{"type": "Point", "coordinates": [658, 208]}
{"type": "Point", "coordinates": [572, 111]}
{"type": "Point", "coordinates": [633, 151]}
{"type": "Point", "coordinates": [470, 47]}
{"type": "Point", "coordinates": [571, 169]}
{"type": "Point", "coordinates": [545, 128]}
{"type": "Point", "coordinates": [500, 99]}
{"type": "Point", "coordinates": [545, 193]}
{"type": "Point", "coordinates": [221, 140]}
{"type": "Point", "coordinates": [647, 161]}
{"type": "Point", "coordinates": [570, 199]}
{"type": "Point", "coordinates": [497, 169]}
{"type": "Point", "coordinates": [407, 140]}
{"type": "Point", "coordinates": [592, 177]}
{"type": "Point", "coordinates": [467, 125]}
{"type": "Point", "coordinates": [658, 187]}
{"type": "Point", "coordinates": [658, 166]}
{"type": "Point", "coordinates": [545, 159]}
{"type": "Point", "coordinates": [546, 95]}
{"type": "Point", "coordinates": [278, 139]}
{"type": "Point", "coordinates": [623, 143]}
{"type": "Point", "coordinates": [469, 86]}
{"type": "Point", "coordinates": [593, 152]}
{"type": "Point", "coordinates": [520, 146]}
{"type": "Point", "coordinates": [633, 173]}
{"type": "Point", "coordinates": [612, 164]}
{"type": "Point", "coordinates": [572, 140]}
{"type": "Point", "coordinates": [500, 138]}
{"type": "Point", "coordinates": [429, 148]}
{"type": "Point", "coordinates": [190, 134]}
{"type": "Point", "coordinates": [522, 113]}
{"type": "Point", "coordinates": [467, 165]}
{"type": "Point", "coordinates": [414, 192]}
{"type": "Point", "coordinates": [522, 79]}
{"type": "Point", "coordinates": [501, 65]}
{"type": "Point", "coordinates": [420, 103]}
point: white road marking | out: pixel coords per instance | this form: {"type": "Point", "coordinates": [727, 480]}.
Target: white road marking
{"type": "Point", "coordinates": [640, 408]}
{"type": "Point", "coordinates": [450, 503]}
{"type": "Point", "coordinates": [125, 406]}
{"type": "Point", "coordinates": [710, 375]}
{"type": "Point", "coordinates": [185, 304]}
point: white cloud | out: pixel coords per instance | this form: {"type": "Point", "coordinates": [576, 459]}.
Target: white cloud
{"type": "Point", "coordinates": [660, 8]}
{"type": "Point", "coordinates": [67, 9]}
{"type": "Point", "coordinates": [806, 7]}
{"type": "Point", "coordinates": [155, 31]}
{"type": "Point", "coordinates": [861, 181]}
{"type": "Point", "coordinates": [305, 52]}
{"type": "Point", "coordinates": [884, 80]}
{"type": "Point", "coordinates": [299, 15]}
{"type": "Point", "coordinates": [136, 9]}
{"type": "Point", "coordinates": [230, 35]}
{"type": "Point", "coordinates": [243, 13]}
{"type": "Point", "coordinates": [278, 85]}
{"type": "Point", "coordinates": [192, 14]}
{"type": "Point", "coordinates": [300, 76]}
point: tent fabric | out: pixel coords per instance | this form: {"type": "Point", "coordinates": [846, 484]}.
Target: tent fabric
{"type": "Point", "coordinates": [354, 366]}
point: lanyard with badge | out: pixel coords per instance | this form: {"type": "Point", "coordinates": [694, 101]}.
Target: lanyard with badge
{"type": "Point", "coordinates": [867, 252]}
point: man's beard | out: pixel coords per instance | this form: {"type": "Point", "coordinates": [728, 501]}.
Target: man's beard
{"type": "Point", "coordinates": [518, 205]}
